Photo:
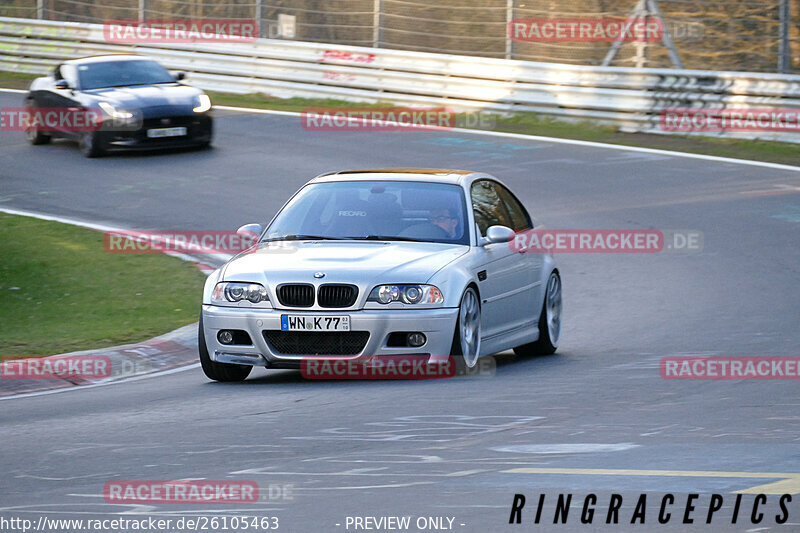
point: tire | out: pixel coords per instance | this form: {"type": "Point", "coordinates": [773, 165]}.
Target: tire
{"type": "Point", "coordinates": [549, 321]}
{"type": "Point", "coordinates": [33, 134]}
{"type": "Point", "coordinates": [467, 335]}
{"type": "Point", "coordinates": [223, 372]}
{"type": "Point", "coordinates": [90, 145]}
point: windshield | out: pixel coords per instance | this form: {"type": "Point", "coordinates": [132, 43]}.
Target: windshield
{"type": "Point", "coordinates": [122, 74]}
{"type": "Point", "coordinates": [374, 210]}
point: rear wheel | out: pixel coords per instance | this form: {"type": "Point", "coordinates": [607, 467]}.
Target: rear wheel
{"type": "Point", "coordinates": [549, 321]}
{"type": "Point", "coordinates": [32, 131]}
{"type": "Point", "coordinates": [218, 371]}
{"type": "Point", "coordinates": [467, 337]}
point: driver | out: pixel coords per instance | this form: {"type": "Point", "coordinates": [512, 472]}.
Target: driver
{"type": "Point", "coordinates": [443, 218]}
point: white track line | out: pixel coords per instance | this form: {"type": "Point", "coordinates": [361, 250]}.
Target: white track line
{"type": "Point", "coordinates": [540, 138]}
{"type": "Point", "coordinates": [574, 142]}
{"type": "Point", "coordinates": [103, 384]}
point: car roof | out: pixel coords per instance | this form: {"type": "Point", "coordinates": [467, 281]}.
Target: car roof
{"type": "Point", "coordinates": [438, 175]}
{"type": "Point", "coordinates": [107, 57]}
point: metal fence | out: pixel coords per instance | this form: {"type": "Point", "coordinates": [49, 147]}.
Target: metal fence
{"type": "Point", "coordinates": [742, 35]}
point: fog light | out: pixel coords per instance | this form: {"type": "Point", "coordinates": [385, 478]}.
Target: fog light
{"type": "Point", "coordinates": [225, 336]}
{"type": "Point", "coordinates": [416, 339]}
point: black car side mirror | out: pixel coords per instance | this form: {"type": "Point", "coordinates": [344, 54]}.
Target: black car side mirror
{"type": "Point", "coordinates": [180, 75]}
{"type": "Point", "coordinates": [62, 84]}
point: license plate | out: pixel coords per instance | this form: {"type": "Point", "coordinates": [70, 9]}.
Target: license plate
{"type": "Point", "coordinates": [166, 132]}
{"type": "Point", "coordinates": [315, 323]}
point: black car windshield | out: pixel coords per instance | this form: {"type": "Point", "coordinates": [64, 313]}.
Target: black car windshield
{"type": "Point", "coordinates": [374, 210]}
{"type": "Point", "coordinates": [122, 74]}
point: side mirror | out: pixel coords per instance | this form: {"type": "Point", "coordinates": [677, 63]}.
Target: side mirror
{"type": "Point", "coordinates": [62, 84]}
{"type": "Point", "coordinates": [250, 230]}
{"type": "Point", "coordinates": [181, 75]}
{"type": "Point", "coordinates": [497, 234]}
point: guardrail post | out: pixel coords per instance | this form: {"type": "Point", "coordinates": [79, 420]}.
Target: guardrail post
{"type": "Point", "coordinates": [509, 19]}
{"type": "Point", "coordinates": [783, 45]}
{"type": "Point", "coordinates": [259, 6]}
{"type": "Point", "coordinates": [142, 10]}
{"type": "Point", "coordinates": [376, 23]}
{"type": "Point", "coordinates": [40, 9]}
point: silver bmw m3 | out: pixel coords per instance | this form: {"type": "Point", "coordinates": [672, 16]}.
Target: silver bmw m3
{"type": "Point", "coordinates": [370, 263]}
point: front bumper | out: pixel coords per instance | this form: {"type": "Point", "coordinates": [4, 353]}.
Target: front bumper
{"type": "Point", "coordinates": [199, 131]}
{"type": "Point", "coordinates": [438, 326]}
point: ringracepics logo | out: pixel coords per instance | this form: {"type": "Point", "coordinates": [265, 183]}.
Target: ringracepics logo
{"type": "Point", "coordinates": [180, 31]}
{"type": "Point", "coordinates": [178, 241]}
{"type": "Point", "coordinates": [152, 491]}
{"type": "Point", "coordinates": [56, 367]}
{"type": "Point", "coordinates": [730, 368]}
{"type": "Point", "coordinates": [50, 119]}
{"type": "Point", "coordinates": [716, 120]}
{"type": "Point", "coordinates": [586, 30]}
{"type": "Point", "coordinates": [392, 119]}
{"type": "Point", "coordinates": [620, 241]}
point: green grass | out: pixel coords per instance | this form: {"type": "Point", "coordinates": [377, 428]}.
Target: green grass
{"type": "Point", "coordinates": [531, 124]}
{"type": "Point", "coordinates": [60, 291]}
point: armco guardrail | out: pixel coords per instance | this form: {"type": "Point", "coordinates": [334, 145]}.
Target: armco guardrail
{"type": "Point", "coordinates": [632, 99]}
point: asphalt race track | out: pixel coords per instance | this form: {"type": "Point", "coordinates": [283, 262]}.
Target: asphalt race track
{"type": "Point", "coordinates": [444, 448]}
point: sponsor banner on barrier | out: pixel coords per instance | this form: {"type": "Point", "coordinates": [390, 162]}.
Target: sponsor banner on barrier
{"type": "Point", "coordinates": [56, 367]}
{"type": "Point", "coordinates": [730, 368]}
{"type": "Point", "coordinates": [620, 241]}
{"type": "Point", "coordinates": [181, 492]}
{"type": "Point", "coordinates": [180, 31]}
{"type": "Point", "coordinates": [181, 241]}
{"type": "Point", "coordinates": [719, 120]}
{"type": "Point", "coordinates": [392, 119]}
{"type": "Point", "coordinates": [605, 30]}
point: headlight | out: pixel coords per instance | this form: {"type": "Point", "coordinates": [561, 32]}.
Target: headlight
{"type": "Point", "coordinates": [203, 104]}
{"type": "Point", "coordinates": [113, 112]}
{"type": "Point", "coordinates": [233, 292]}
{"type": "Point", "coordinates": [408, 294]}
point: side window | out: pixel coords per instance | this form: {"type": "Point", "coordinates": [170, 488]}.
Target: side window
{"type": "Point", "coordinates": [488, 207]}
{"type": "Point", "coordinates": [520, 219]}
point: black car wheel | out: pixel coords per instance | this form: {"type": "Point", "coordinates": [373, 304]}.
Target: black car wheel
{"type": "Point", "coordinates": [218, 371]}
{"type": "Point", "coordinates": [32, 132]}
{"type": "Point", "coordinates": [90, 145]}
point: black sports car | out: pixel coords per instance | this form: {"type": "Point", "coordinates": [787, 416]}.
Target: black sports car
{"type": "Point", "coordinates": [132, 102]}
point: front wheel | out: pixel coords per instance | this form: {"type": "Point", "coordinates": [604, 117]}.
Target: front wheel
{"type": "Point", "coordinates": [549, 321]}
{"type": "Point", "coordinates": [90, 145]}
{"type": "Point", "coordinates": [467, 336]}
{"type": "Point", "coordinates": [218, 371]}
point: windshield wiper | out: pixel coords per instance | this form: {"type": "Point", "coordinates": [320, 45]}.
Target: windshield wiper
{"type": "Point", "coordinates": [387, 238]}
{"type": "Point", "coordinates": [303, 238]}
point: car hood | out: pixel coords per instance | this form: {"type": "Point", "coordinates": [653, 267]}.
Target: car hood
{"type": "Point", "coordinates": [364, 264]}
{"type": "Point", "coordinates": [166, 95]}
